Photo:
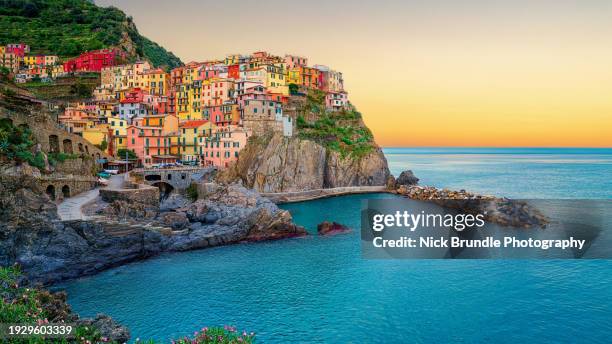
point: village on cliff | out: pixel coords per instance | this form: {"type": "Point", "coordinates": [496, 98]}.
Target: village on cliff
{"type": "Point", "coordinates": [201, 113]}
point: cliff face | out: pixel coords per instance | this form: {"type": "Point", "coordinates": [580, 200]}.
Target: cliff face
{"type": "Point", "coordinates": [328, 149]}
{"type": "Point", "coordinates": [281, 164]}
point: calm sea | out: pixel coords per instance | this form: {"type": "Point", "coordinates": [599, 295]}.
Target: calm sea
{"type": "Point", "coordinates": [320, 290]}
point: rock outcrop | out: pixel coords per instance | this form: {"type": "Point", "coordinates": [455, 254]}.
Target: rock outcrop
{"type": "Point", "coordinates": [281, 164]}
{"type": "Point", "coordinates": [406, 178]}
{"type": "Point", "coordinates": [49, 250]}
{"type": "Point", "coordinates": [331, 228]}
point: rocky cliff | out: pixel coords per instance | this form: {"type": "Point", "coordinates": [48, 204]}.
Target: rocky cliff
{"type": "Point", "coordinates": [327, 150]}
{"type": "Point", "coordinates": [280, 164]}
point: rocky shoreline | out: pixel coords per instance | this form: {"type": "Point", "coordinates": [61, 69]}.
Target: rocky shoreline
{"type": "Point", "coordinates": [50, 251]}
{"type": "Point", "coordinates": [499, 210]}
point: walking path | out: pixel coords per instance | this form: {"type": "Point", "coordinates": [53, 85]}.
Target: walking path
{"type": "Point", "coordinates": [71, 208]}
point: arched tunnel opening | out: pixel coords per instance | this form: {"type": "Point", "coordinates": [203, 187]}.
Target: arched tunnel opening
{"type": "Point", "coordinates": [165, 189]}
{"type": "Point", "coordinates": [152, 177]}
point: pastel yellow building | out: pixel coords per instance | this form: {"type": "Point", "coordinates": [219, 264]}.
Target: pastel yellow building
{"type": "Point", "coordinates": [97, 134]}
{"type": "Point", "coordinates": [119, 130]}
{"type": "Point", "coordinates": [156, 81]}
{"type": "Point", "coordinates": [294, 76]}
{"type": "Point", "coordinates": [192, 138]}
{"type": "Point", "coordinates": [194, 100]}
{"type": "Point", "coordinates": [105, 109]}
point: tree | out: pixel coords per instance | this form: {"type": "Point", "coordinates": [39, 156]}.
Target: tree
{"type": "Point", "coordinates": [293, 89]}
{"type": "Point", "coordinates": [130, 153]}
{"type": "Point", "coordinates": [103, 145]}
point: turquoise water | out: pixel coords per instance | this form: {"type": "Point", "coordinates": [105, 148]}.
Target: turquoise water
{"type": "Point", "coordinates": [320, 290]}
{"type": "Point", "coordinates": [513, 172]}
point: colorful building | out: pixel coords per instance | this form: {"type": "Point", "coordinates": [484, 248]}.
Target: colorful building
{"type": "Point", "coordinates": [223, 146]}
{"type": "Point", "coordinates": [19, 49]}
{"type": "Point", "coordinates": [93, 61]}
{"type": "Point", "coordinates": [192, 134]}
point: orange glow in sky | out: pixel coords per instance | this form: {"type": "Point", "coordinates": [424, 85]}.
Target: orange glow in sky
{"type": "Point", "coordinates": [425, 73]}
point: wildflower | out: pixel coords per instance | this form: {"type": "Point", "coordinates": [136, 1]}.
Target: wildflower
{"type": "Point", "coordinates": [244, 333]}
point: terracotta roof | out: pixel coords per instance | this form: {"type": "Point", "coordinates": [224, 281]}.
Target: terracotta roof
{"type": "Point", "coordinates": [193, 124]}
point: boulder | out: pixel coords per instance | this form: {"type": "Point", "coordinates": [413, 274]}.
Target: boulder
{"type": "Point", "coordinates": [332, 228]}
{"type": "Point", "coordinates": [108, 328]}
{"type": "Point", "coordinates": [176, 220]}
{"type": "Point", "coordinates": [406, 178]}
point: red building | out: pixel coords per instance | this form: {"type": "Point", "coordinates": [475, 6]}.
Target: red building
{"type": "Point", "coordinates": [135, 95]}
{"type": "Point", "coordinates": [233, 71]}
{"type": "Point", "coordinates": [93, 61]}
{"type": "Point", "coordinates": [19, 49]}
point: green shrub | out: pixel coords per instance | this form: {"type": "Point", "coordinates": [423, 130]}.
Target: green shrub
{"type": "Point", "coordinates": [218, 335]}
{"type": "Point", "coordinates": [301, 122]}
{"type": "Point", "coordinates": [103, 145]}
{"type": "Point", "coordinates": [192, 191]}
{"type": "Point", "coordinates": [32, 305]}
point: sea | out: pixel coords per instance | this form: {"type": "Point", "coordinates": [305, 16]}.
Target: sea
{"type": "Point", "coordinates": [322, 290]}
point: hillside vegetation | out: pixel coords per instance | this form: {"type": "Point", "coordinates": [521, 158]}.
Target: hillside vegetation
{"type": "Point", "coordinates": [69, 27]}
{"type": "Point", "coordinates": [342, 131]}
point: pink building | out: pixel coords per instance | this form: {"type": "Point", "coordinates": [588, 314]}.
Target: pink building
{"type": "Point", "coordinates": [257, 92]}
{"type": "Point", "coordinates": [217, 91]}
{"type": "Point", "coordinates": [148, 143]}
{"type": "Point", "coordinates": [224, 146]}
{"type": "Point", "coordinates": [293, 61]}
{"type": "Point", "coordinates": [336, 100]}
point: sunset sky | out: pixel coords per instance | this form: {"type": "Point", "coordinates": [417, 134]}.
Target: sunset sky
{"type": "Point", "coordinates": [425, 73]}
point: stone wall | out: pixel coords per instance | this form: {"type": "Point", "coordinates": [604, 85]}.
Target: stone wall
{"type": "Point", "coordinates": [262, 126]}
{"type": "Point", "coordinates": [56, 185]}
{"type": "Point", "coordinates": [142, 194]}
{"type": "Point", "coordinates": [178, 179]}
{"type": "Point", "coordinates": [51, 137]}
